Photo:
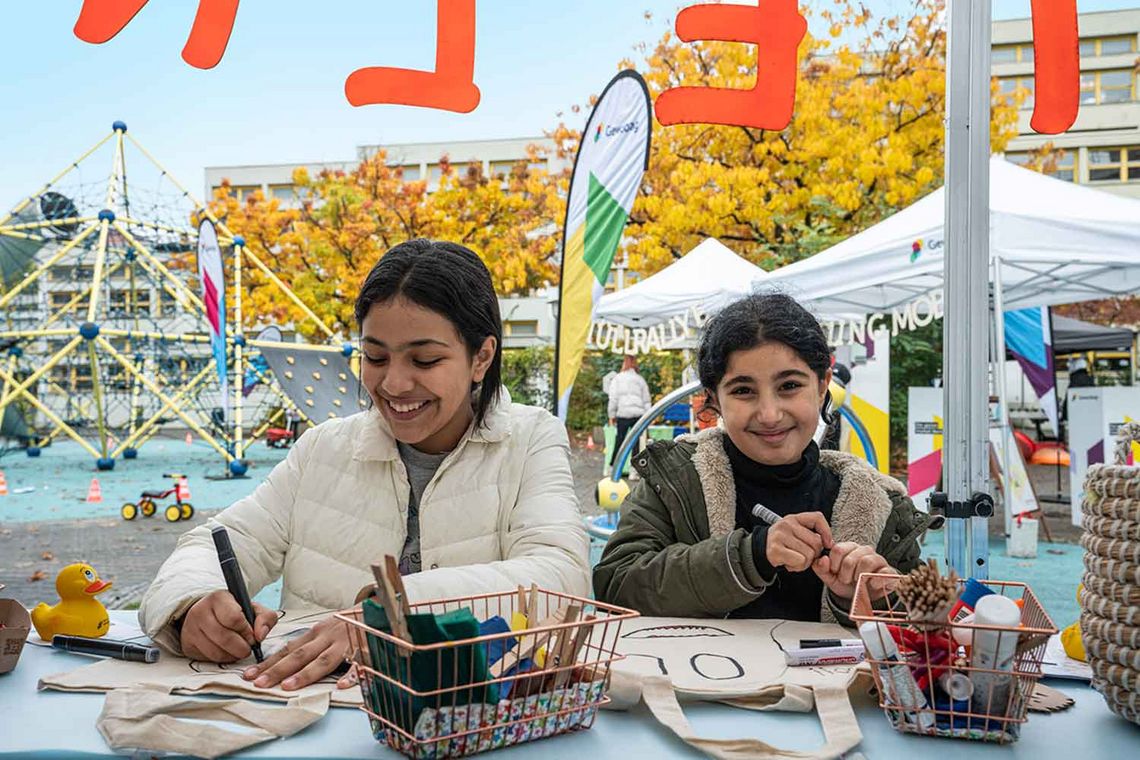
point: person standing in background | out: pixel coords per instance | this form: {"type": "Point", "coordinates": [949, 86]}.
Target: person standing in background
{"type": "Point", "coordinates": [629, 399]}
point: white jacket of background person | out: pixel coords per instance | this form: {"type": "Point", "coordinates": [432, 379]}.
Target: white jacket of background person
{"type": "Point", "coordinates": [629, 395]}
{"type": "Point", "coordinates": [500, 511]}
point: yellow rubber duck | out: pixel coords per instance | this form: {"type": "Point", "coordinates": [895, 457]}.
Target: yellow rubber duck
{"type": "Point", "coordinates": [78, 613]}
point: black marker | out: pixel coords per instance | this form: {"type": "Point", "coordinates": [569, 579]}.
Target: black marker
{"type": "Point", "coordinates": [762, 513]}
{"type": "Point", "coordinates": [119, 650]}
{"type": "Point", "coordinates": [234, 582]}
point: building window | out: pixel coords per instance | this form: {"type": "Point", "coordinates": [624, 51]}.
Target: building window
{"type": "Point", "coordinates": [1018, 86]}
{"type": "Point", "coordinates": [128, 300]}
{"type": "Point", "coordinates": [502, 168]}
{"type": "Point", "coordinates": [1109, 86]}
{"type": "Point", "coordinates": [409, 173]}
{"type": "Point", "coordinates": [1060, 166]}
{"type": "Point", "coordinates": [241, 192]}
{"type": "Point", "coordinates": [1114, 164]}
{"type": "Point", "coordinates": [61, 298]}
{"type": "Point", "coordinates": [520, 328]}
{"type": "Point", "coordinates": [1098, 46]}
{"type": "Point", "coordinates": [167, 303]}
{"type": "Point", "coordinates": [1012, 53]}
{"type": "Point", "coordinates": [283, 193]}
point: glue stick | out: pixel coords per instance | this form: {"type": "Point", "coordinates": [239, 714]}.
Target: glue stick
{"type": "Point", "coordinates": [993, 650]}
{"type": "Point", "coordinates": [899, 687]}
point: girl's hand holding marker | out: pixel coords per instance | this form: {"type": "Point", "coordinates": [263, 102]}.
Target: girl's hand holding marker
{"type": "Point", "coordinates": [797, 540]}
{"type": "Point", "coordinates": [802, 540]}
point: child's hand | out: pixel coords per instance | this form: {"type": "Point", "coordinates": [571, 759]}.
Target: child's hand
{"type": "Point", "coordinates": [796, 540]}
{"type": "Point", "coordinates": [840, 570]}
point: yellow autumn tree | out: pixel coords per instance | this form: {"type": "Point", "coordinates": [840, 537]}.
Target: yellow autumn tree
{"type": "Point", "coordinates": [347, 220]}
{"type": "Point", "coordinates": [866, 139]}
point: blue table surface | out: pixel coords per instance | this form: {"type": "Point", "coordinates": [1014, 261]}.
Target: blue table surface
{"type": "Point", "coordinates": [48, 724]}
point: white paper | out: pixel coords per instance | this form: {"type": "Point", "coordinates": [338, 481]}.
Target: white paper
{"type": "Point", "coordinates": [1057, 664]}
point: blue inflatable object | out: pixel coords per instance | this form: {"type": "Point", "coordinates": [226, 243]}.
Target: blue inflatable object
{"type": "Point", "coordinates": [239, 241]}
{"type": "Point", "coordinates": [89, 331]}
{"type": "Point", "coordinates": [130, 453]}
{"type": "Point", "coordinates": [238, 468]}
{"type": "Point", "coordinates": [33, 451]}
{"type": "Point", "coordinates": [346, 349]}
{"type": "Point", "coordinates": [105, 463]}
{"type": "Point", "coordinates": [119, 126]}
{"type": "Point", "coordinates": [106, 215]}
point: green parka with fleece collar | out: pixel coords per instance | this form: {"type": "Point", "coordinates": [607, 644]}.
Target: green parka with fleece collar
{"type": "Point", "coordinates": [678, 553]}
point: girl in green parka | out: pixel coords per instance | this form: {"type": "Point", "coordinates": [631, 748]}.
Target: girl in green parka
{"type": "Point", "coordinates": [689, 545]}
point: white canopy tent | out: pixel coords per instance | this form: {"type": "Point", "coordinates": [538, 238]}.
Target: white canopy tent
{"type": "Point", "coordinates": [1057, 242]}
{"type": "Point", "coordinates": [705, 279]}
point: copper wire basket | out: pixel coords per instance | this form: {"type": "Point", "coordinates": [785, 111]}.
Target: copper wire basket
{"type": "Point", "coordinates": [1000, 698]}
{"type": "Point", "coordinates": [454, 718]}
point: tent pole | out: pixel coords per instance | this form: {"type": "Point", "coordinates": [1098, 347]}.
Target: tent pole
{"type": "Point", "coordinates": [965, 356]}
{"type": "Point", "coordinates": [1003, 395]}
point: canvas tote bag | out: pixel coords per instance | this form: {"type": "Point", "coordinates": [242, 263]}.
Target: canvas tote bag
{"type": "Point", "coordinates": [150, 718]}
{"type": "Point", "coordinates": [741, 663]}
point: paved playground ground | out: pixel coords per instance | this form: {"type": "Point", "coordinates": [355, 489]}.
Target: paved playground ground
{"type": "Point", "coordinates": [52, 525]}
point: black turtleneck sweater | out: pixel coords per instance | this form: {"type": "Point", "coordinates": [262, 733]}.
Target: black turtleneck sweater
{"type": "Point", "coordinates": [803, 486]}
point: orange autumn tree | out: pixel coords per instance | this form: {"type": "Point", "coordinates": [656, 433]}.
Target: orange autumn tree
{"type": "Point", "coordinates": [866, 139]}
{"type": "Point", "coordinates": [347, 220]}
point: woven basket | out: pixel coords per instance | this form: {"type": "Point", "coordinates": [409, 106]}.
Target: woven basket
{"type": "Point", "coordinates": [1110, 599]}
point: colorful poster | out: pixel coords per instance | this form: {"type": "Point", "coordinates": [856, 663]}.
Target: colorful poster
{"type": "Point", "coordinates": [1029, 339]}
{"type": "Point", "coordinates": [211, 276]}
{"type": "Point", "coordinates": [868, 399]}
{"type": "Point", "coordinates": [1095, 417]}
{"type": "Point", "coordinates": [924, 443]}
{"type": "Point", "coordinates": [612, 158]}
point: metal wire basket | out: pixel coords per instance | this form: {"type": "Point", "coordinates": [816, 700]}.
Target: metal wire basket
{"type": "Point", "coordinates": [911, 686]}
{"type": "Point", "coordinates": [466, 707]}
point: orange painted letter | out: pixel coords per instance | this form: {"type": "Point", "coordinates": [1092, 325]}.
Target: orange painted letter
{"type": "Point", "coordinates": [776, 28]}
{"type": "Point", "coordinates": [1056, 66]}
{"type": "Point", "coordinates": [101, 20]}
{"type": "Point", "coordinates": [450, 87]}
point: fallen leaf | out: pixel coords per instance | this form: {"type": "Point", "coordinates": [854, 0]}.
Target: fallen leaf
{"type": "Point", "coordinates": [38, 575]}
{"type": "Point", "coordinates": [47, 555]}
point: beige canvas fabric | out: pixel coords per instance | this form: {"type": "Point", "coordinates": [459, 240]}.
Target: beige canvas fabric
{"type": "Point", "coordinates": [739, 662]}
{"type": "Point", "coordinates": [180, 675]}
{"type": "Point", "coordinates": [149, 718]}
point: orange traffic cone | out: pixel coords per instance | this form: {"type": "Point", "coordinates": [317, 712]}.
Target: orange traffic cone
{"type": "Point", "coordinates": [3, 484]}
{"type": "Point", "coordinates": [189, 439]}
{"type": "Point", "coordinates": [94, 492]}
{"type": "Point", "coordinates": [183, 489]}
{"type": "Point", "coordinates": [590, 442]}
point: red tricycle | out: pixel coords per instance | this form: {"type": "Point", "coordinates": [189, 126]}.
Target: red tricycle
{"type": "Point", "coordinates": [179, 510]}
{"type": "Point", "coordinates": [278, 438]}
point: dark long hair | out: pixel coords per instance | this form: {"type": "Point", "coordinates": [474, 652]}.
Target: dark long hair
{"type": "Point", "coordinates": [757, 319]}
{"type": "Point", "coordinates": [452, 281]}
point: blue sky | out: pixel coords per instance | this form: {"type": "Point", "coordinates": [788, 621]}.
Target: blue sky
{"type": "Point", "coordinates": [278, 94]}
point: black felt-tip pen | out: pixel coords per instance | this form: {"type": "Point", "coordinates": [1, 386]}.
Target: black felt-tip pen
{"type": "Point", "coordinates": [768, 517]}
{"type": "Point", "coordinates": [119, 650]}
{"type": "Point", "coordinates": [235, 584]}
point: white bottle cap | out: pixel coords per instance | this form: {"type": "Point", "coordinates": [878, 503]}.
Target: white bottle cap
{"type": "Point", "coordinates": [880, 644]}
{"type": "Point", "coordinates": [995, 609]}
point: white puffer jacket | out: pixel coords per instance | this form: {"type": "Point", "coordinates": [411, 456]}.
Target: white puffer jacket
{"type": "Point", "coordinates": [629, 395]}
{"type": "Point", "coordinates": [500, 512]}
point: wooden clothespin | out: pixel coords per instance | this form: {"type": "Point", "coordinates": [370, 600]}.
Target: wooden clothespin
{"type": "Point", "coordinates": [571, 658]}
{"type": "Point", "coordinates": [527, 645]}
{"type": "Point", "coordinates": [532, 605]}
{"type": "Point", "coordinates": [394, 601]}
{"type": "Point", "coordinates": [563, 639]}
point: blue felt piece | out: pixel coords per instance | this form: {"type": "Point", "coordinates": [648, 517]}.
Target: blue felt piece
{"type": "Point", "coordinates": [497, 647]}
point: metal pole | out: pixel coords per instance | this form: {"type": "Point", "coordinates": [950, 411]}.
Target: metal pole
{"type": "Point", "coordinates": [238, 374]}
{"type": "Point", "coordinates": [965, 346]}
{"type": "Point", "coordinates": [1003, 396]}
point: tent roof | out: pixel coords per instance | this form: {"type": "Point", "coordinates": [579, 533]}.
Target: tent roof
{"type": "Point", "coordinates": [706, 278]}
{"type": "Point", "coordinates": [1059, 242]}
{"type": "Point", "coordinates": [1074, 335]}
